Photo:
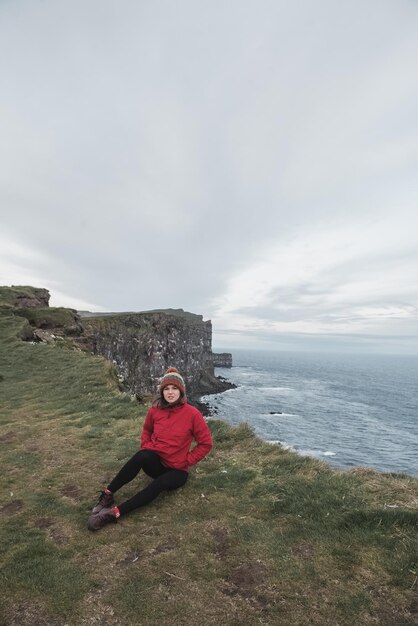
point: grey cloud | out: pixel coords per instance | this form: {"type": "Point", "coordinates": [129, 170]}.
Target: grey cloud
{"type": "Point", "coordinates": [151, 151]}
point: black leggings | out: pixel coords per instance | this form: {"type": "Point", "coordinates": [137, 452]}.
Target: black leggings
{"type": "Point", "coordinates": [166, 479]}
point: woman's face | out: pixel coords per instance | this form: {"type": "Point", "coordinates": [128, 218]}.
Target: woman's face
{"type": "Point", "coordinates": [171, 394]}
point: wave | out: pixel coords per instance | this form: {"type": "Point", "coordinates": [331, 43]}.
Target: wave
{"type": "Point", "coordinates": [277, 389]}
{"type": "Point", "coordinates": [302, 452]}
{"type": "Point", "coordinates": [316, 453]}
{"type": "Point", "coordinates": [283, 444]}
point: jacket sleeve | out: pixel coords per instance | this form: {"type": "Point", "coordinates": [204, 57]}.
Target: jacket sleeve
{"type": "Point", "coordinates": [147, 429]}
{"type": "Point", "coordinates": [203, 438]}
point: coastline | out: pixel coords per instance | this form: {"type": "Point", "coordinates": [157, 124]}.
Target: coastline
{"type": "Point", "coordinates": [222, 385]}
{"type": "Point", "coordinates": [341, 409]}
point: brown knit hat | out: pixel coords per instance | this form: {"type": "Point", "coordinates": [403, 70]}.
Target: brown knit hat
{"type": "Point", "coordinates": [172, 377]}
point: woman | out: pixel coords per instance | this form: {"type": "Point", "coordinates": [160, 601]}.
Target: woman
{"type": "Point", "coordinates": [169, 429]}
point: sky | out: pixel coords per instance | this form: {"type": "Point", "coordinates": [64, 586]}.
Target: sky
{"type": "Point", "coordinates": [254, 162]}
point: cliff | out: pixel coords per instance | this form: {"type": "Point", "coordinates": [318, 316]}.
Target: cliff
{"type": "Point", "coordinates": [143, 345]}
{"type": "Point", "coordinates": [140, 345]}
{"type": "Point", "coordinates": [222, 359]}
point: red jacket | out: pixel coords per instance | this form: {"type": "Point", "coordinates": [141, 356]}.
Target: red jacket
{"type": "Point", "coordinates": [169, 431]}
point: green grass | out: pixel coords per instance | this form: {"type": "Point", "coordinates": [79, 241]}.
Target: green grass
{"type": "Point", "coordinates": [51, 317]}
{"type": "Point", "coordinates": [10, 295]}
{"type": "Point", "coordinates": [258, 535]}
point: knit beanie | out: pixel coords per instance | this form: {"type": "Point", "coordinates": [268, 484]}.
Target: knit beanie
{"type": "Point", "coordinates": [172, 377]}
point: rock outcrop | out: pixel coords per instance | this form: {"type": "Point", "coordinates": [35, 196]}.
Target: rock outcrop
{"type": "Point", "coordinates": [56, 321]}
{"type": "Point", "coordinates": [143, 345]}
{"type": "Point", "coordinates": [140, 345]}
{"type": "Point", "coordinates": [24, 297]}
{"type": "Point", "coordinates": [40, 299]}
{"type": "Point", "coordinates": [222, 359]}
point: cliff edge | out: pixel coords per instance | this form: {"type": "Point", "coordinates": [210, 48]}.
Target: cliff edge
{"type": "Point", "coordinates": [140, 345]}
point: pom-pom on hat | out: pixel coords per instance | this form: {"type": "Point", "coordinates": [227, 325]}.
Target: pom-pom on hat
{"type": "Point", "coordinates": [172, 377]}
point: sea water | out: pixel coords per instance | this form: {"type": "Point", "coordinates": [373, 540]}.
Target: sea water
{"type": "Point", "coordinates": [348, 409]}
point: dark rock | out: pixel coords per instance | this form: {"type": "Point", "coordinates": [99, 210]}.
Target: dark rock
{"type": "Point", "coordinates": [44, 336]}
{"type": "Point", "coordinates": [220, 385]}
{"type": "Point", "coordinates": [143, 345]}
{"type": "Point", "coordinates": [203, 407]}
{"type": "Point", "coordinates": [38, 300]}
{"type": "Point", "coordinates": [275, 413]}
{"type": "Point", "coordinates": [73, 330]}
{"type": "Point", "coordinates": [222, 359]}
{"type": "Point", "coordinates": [85, 343]}
{"type": "Point", "coordinates": [27, 333]}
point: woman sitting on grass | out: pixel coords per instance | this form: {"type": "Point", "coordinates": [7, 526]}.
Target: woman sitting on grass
{"type": "Point", "coordinates": [169, 429]}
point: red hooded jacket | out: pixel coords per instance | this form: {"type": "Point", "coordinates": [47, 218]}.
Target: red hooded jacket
{"type": "Point", "coordinates": [169, 432]}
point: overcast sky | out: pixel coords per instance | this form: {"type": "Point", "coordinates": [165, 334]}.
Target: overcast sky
{"type": "Point", "coordinates": [255, 162]}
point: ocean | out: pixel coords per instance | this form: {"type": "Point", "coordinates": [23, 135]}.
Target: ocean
{"type": "Point", "coordinates": [349, 410]}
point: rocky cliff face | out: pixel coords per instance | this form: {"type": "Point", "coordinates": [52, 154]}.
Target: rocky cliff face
{"type": "Point", "coordinates": [143, 345]}
{"type": "Point", "coordinates": [140, 345]}
{"type": "Point", "coordinates": [222, 359]}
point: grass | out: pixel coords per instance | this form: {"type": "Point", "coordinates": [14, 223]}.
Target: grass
{"type": "Point", "coordinates": [51, 317]}
{"type": "Point", "coordinates": [10, 295]}
{"type": "Point", "coordinates": [258, 535]}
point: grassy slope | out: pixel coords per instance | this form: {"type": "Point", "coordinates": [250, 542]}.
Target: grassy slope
{"type": "Point", "coordinates": [258, 535]}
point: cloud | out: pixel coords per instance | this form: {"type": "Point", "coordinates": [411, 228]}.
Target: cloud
{"type": "Point", "coordinates": [340, 280]}
{"type": "Point", "coordinates": [18, 267]}
{"type": "Point", "coordinates": [253, 162]}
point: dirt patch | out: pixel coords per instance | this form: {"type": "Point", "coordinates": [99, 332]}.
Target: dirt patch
{"type": "Point", "coordinates": [11, 508]}
{"type": "Point", "coordinates": [303, 551]}
{"type": "Point", "coordinates": [131, 558]}
{"type": "Point", "coordinates": [44, 522]}
{"type": "Point", "coordinates": [58, 536]}
{"type": "Point", "coordinates": [97, 613]}
{"type": "Point", "coordinates": [10, 436]}
{"type": "Point", "coordinates": [166, 546]}
{"type": "Point", "coordinates": [71, 491]}
{"type": "Point", "coordinates": [245, 579]}
{"type": "Point", "coordinates": [414, 606]}
{"type": "Point", "coordinates": [391, 616]}
{"type": "Point", "coordinates": [30, 614]}
{"type": "Point", "coordinates": [220, 538]}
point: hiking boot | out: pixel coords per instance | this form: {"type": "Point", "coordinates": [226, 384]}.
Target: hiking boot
{"type": "Point", "coordinates": [100, 519]}
{"type": "Point", "coordinates": [105, 502]}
